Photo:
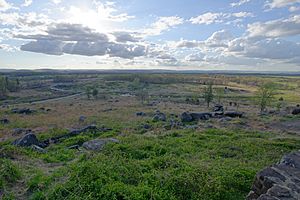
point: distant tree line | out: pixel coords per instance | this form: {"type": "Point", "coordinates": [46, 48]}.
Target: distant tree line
{"type": "Point", "coordinates": [8, 85]}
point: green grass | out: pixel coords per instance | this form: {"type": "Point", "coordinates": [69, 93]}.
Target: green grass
{"type": "Point", "coordinates": [183, 164]}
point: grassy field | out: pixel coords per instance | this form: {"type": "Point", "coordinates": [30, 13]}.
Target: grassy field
{"type": "Point", "coordinates": [211, 159]}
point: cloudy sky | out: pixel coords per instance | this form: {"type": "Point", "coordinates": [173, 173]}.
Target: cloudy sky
{"type": "Point", "coordinates": [150, 34]}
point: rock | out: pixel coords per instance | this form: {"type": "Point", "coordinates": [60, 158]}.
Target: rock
{"type": "Point", "coordinates": [25, 111]}
{"type": "Point", "coordinates": [146, 126]}
{"type": "Point", "coordinates": [140, 114]}
{"type": "Point", "coordinates": [280, 181]}
{"type": "Point", "coordinates": [233, 114]}
{"type": "Point", "coordinates": [82, 118]}
{"type": "Point", "coordinates": [38, 149]}
{"type": "Point", "coordinates": [296, 111]}
{"type": "Point", "coordinates": [225, 119]}
{"type": "Point", "coordinates": [201, 116]}
{"type": "Point", "coordinates": [186, 117]}
{"type": "Point", "coordinates": [27, 140]}
{"type": "Point", "coordinates": [4, 121]}
{"type": "Point", "coordinates": [98, 144]}
{"type": "Point", "coordinates": [218, 108]}
{"type": "Point", "coordinates": [159, 117]}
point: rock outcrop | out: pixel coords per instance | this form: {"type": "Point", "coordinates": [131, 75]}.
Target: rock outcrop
{"type": "Point", "coordinates": [278, 182]}
{"type": "Point", "coordinates": [296, 111]}
{"type": "Point", "coordinates": [27, 140]}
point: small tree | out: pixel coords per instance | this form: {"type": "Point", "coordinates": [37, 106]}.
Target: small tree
{"type": "Point", "coordinates": [88, 91]}
{"type": "Point", "coordinates": [95, 93]}
{"type": "Point", "coordinates": [208, 94]}
{"type": "Point", "coordinates": [219, 94]}
{"type": "Point", "coordinates": [265, 95]}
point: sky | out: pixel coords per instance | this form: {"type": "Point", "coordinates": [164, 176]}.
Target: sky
{"type": "Point", "coordinates": [251, 35]}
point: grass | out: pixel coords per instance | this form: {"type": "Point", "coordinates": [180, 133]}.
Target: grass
{"type": "Point", "coordinates": [182, 164]}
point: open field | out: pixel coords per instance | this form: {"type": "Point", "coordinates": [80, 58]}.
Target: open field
{"type": "Point", "coordinates": [208, 159]}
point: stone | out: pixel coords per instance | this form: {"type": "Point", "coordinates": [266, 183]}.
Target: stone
{"type": "Point", "coordinates": [140, 114]}
{"type": "Point", "coordinates": [27, 140]}
{"type": "Point", "coordinates": [218, 108]}
{"type": "Point", "coordinates": [98, 144]}
{"type": "Point", "coordinates": [4, 121]}
{"type": "Point", "coordinates": [233, 114]}
{"type": "Point", "coordinates": [186, 117]}
{"type": "Point", "coordinates": [25, 111]}
{"type": "Point", "coordinates": [159, 117]}
{"type": "Point", "coordinates": [279, 181]}
{"type": "Point", "coordinates": [82, 118]}
{"type": "Point", "coordinates": [201, 116]}
{"type": "Point", "coordinates": [76, 146]}
{"type": "Point", "coordinates": [296, 111]}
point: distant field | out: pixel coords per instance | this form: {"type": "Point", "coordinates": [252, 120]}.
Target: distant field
{"type": "Point", "coordinates": [206, 159]}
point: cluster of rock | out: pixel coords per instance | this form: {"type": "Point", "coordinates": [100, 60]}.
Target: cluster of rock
{"type": "Point", "coordinates": [280, 181]}
{"type": "Point", "coordinates": [30, 139]}
{"type": "Point", "coordinates": [4, 121]}
{"type": "Point", "coordinates": [218, 113]}
{"type": "Point", "coordinates": [25, 111]}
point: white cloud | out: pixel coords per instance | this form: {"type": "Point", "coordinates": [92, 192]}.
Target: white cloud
{"type": "Point", "coordinates": [294, 8]}
{"type": "Point", "coordinates": [27, 3]}
{"type": "Point", "coordinates": [239, 3]}
{"type": "Point", "coordinates": [163, 24]}
{"type": "Point", "coordinates": [56, 1]}
{"type": "Point", "coordinates": [275, 28]}
{"type": "Point", "coordinates": [212, 18]}
{"type": "Point", "coordinates": [195, 57]}
{"type": "Point", "coordinates": [281, 3]}
{"type": "Point", "coordinates": [4, 5]}
{"type": "Point", "coordinates": [207, 18]}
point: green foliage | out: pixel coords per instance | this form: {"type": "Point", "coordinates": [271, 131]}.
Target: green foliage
{"type": "Point", "coordinates": [208, 94]}
{"type": "Point", "coordinates": [265, 95]}
{"type": "Point", "coordinates": [9, 173]}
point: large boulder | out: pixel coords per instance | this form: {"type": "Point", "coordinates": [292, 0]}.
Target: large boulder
{"type": "Point", "coordinates": [233, 114]}
{"type": "Point", "coordinates": [159, 116]}
{"type": "Point", "coordinates": [27, 140]}
{"type": "Point", "coordinates": [186, 117]}
{"type": "Point", "coordinates": [296, 111]}
{"type": "Point", "coordinates": [98, 144]}
{"type": "Point", "coordinates": [218, 108]}
{"type": "Point", "coordinates": [201, 115]}
{"type": "Point", "coordinates": [280, 181]}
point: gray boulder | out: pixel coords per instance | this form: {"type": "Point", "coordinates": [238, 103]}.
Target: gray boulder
{"type": "Point", "coordinates": [140, 114]}
{"type": "Point", "coordinates": [159, 117]}
{"type": "Point", "coordinates": [186, 117]}
{"type": "Point", "coordinates": [27, 140]}
{"type": "Point", "coordinates": [296, 111]}
{"type": "Point", "coordinates": [38, 149]}
{"type": "Point", "coordinates": [98, 144]}
{"type": "Point", "coordinates": [233, 114]}
{"type": "Point", "coordinates": [280, 181]}
{"type": "Point", "coordinates": [201, 116]}
{"type": "Point", "coordinates": [82, 118]}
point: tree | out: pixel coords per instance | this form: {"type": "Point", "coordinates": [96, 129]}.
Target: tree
{"type": "Point", "coordinates": [219, 94]}
{"type": "Point", "coordinates": [3, 87]}
{"type": "Point", "coordinates": [208, 94]}
{"type": "Point", "coordinates": [95, 93]}
{"type": "Point", "coordinates": [88, 91]}
{"type": "Point", "coordinates": [143, 95]}
{"type": "Point", "coordinates": [265, 95]}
